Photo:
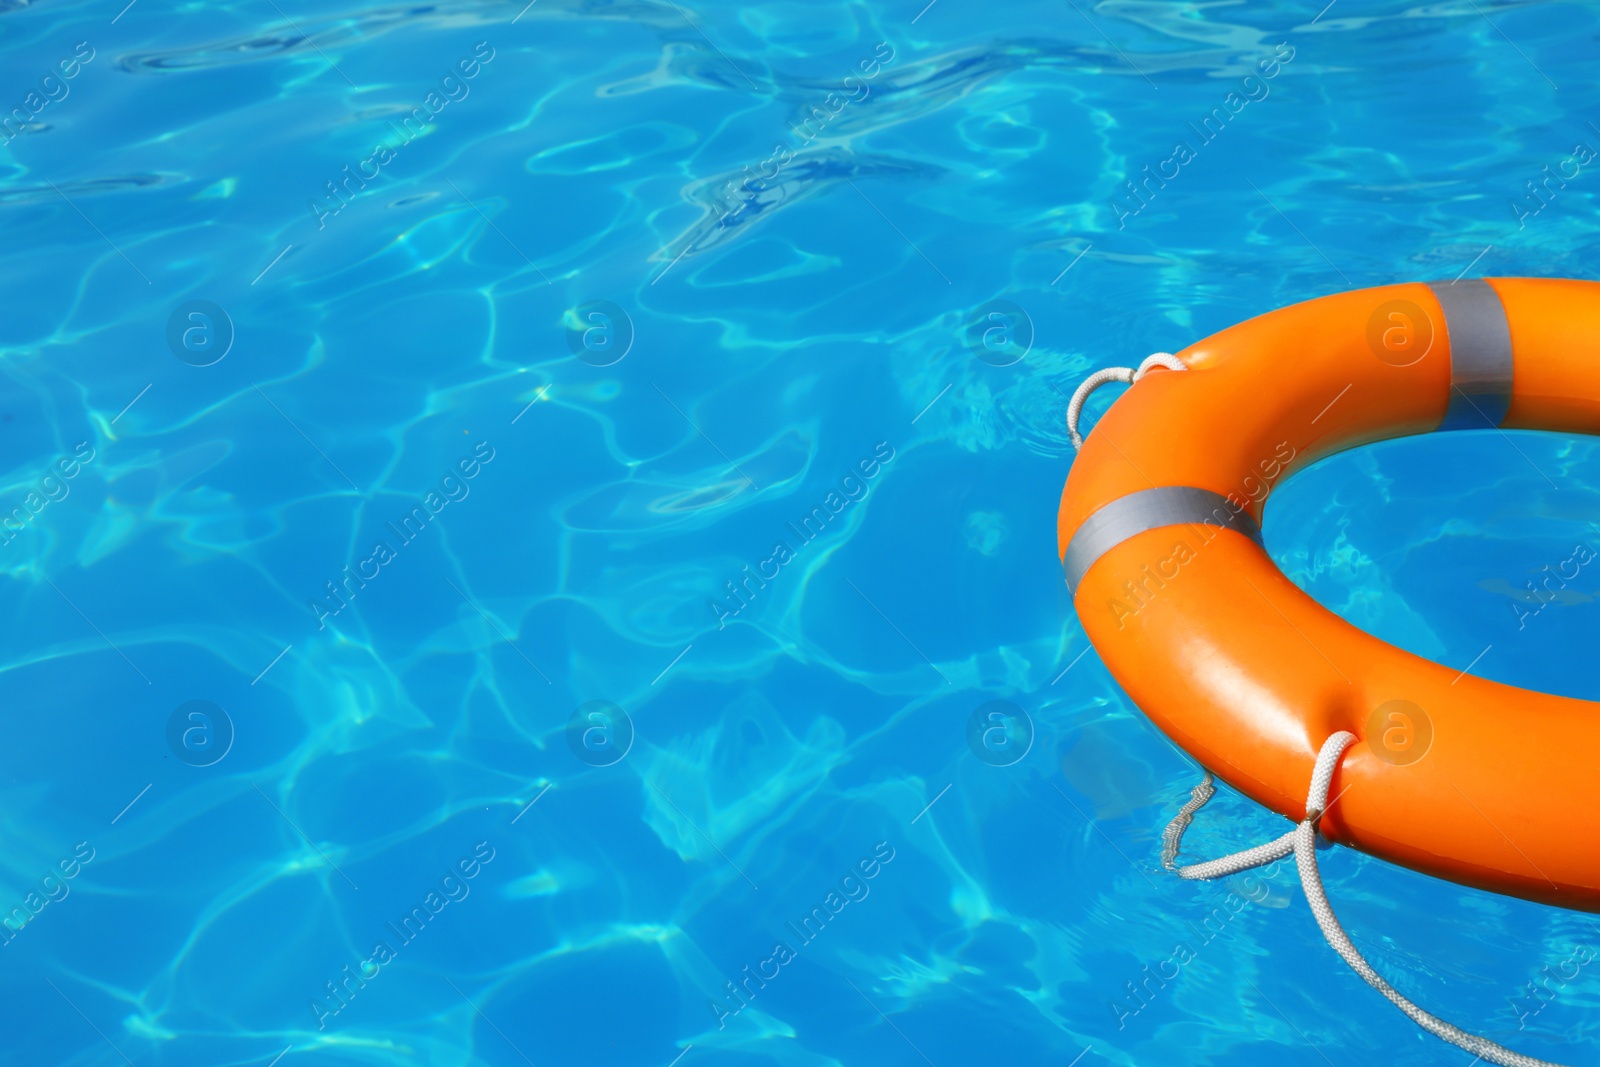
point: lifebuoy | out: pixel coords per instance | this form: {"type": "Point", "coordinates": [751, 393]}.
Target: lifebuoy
{"type": "Point", "coordinates": [1159, 539]}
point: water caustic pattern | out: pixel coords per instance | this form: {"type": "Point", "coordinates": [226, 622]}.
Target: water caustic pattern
{"type": "Point", "coordinates": [529, 528]}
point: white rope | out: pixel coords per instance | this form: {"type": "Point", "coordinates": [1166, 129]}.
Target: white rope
{"type": "Point", "coordinates": [1174, 835]}
{"type": "Point", "coordinates": [1302, 841]}
{"type": "Point", "coordinates": [1126, 375]}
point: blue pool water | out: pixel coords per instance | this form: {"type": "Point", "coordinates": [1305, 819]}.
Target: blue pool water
{"type": "Point", "coordinates": [394, 397]}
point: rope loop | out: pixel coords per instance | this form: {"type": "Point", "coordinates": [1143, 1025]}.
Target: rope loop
{"type": "Point", "coordinates": [1302, 842]}
{"type": "Point", "coordinates": [1125, 375]}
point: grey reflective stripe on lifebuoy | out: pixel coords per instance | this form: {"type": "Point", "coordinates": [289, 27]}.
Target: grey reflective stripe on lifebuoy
{"type": "Point", "coordinates": [1480, 354]}
{"type": "Point", "coordinates": [1149, 509]}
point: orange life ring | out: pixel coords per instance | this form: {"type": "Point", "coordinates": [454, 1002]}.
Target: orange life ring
{"type": "Point", "coordinates": [1159, 537]}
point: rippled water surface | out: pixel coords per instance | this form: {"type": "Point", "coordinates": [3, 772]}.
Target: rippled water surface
{"type": "Point", "coordinates": [508, 527]}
